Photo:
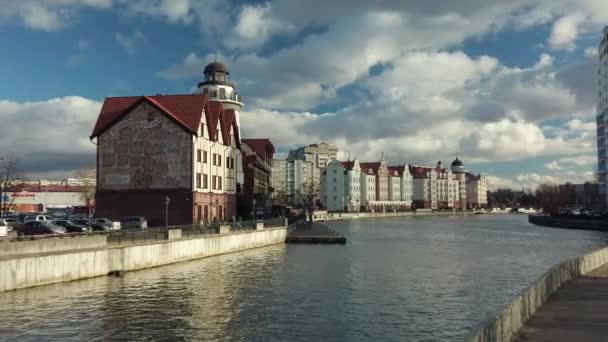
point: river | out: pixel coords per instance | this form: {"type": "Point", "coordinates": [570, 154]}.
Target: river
{"type": "Point", "coordinates": [397, 279]}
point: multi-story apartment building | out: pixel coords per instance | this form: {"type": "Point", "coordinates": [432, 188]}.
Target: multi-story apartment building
{"type": "Point", "coordinates": [405, 184]}
{"type": "Point", "coordinates": [602, 118]}
{"type": "Point", "coordinates": [279, 179]}
{"type": "Point", "coordinates": [477, 191]}
{"type": "Point", "coordinates": [316, 156]}
{"type": "Point", "coordinates": [179, 152]}
{"type": "Point", "coordinates": [341, 186]}
{"type": "Point", "coordinates": [299, 173]}
{"type": "Point", "coordinates": [257, 164]}
{"type": "Point", "coordinates": [435, 187]}
{"type": "Point", "coordinates": [366, 186]}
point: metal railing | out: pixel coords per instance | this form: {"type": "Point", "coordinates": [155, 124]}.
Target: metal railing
{"type": "Point", "coordinates": [190, 230]}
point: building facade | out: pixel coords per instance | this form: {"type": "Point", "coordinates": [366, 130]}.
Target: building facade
{"type": "Point", "coordinates": [315, 156]}
{"type": "Point", "coordinates": [24, 198]}
{"type": "Point", "coordinates": [299, 173]}
{"type": "Point", "coordinates": [477, 191]}
{"type": "Point", "coordinates": [341, 186]}
{"type": "Point", "coordinates": [602, 118]}
{"type": "Point", "coordinates": [257, 163]}
{"type": "Point", "coordinates": [180, 148]}
{"type": "Point", "coordinates": [435, 188]}
{"type": "Point", "coordinates": [374, 186]}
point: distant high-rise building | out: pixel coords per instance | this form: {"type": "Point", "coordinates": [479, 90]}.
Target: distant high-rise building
{"type": "Point", "coordinates": [602, 115]}
{"type": "Point", "coordinates": [315, 157]}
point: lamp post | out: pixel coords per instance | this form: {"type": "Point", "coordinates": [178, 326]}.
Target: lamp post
{"type": "Point", "coordinates": [217, 208]}
{"type": "Point", "coordinates": [167, 201]}
{"type": "Point", "coordinates": [253, 208]}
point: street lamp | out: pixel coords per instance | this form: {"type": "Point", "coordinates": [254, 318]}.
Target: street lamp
{"type": "Point", "coordinates": [253, 206]}
{"type": "Point", "coordinates": [217, 208]}
{"type": "Point", "coordinates": [167, 201]}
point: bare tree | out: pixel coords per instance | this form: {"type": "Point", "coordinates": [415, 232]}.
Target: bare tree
{"type": "Point", "coordinates": [308, 194]}
{"type": "Point", "coordinates": [88, 187]}
{"type": "Point", "coordinates": [551, 198]}
{"type": "Point", "coordinates": [9, 172]}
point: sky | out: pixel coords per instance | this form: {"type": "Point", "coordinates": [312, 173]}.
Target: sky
{"type": "Point", "coordinates": [509, 86]}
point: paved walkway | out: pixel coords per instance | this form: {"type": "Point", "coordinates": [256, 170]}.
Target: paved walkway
{"type": "Point", "coordinates": [576, 312]}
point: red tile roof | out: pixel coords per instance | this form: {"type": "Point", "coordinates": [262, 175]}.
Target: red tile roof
{"type": "Point", "coordinates": [186, 110]}
{"type": "Point", "coordinates": [365, 167]}
{"type": "Point", "coordinates": [261, 146]}
{"type": "Point", "coordinates": [348, 165]}
{"type": "Point", "coordinates": [399, 169]}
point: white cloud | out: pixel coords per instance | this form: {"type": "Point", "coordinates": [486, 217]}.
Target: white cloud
{"type": "Point", "coordinates": [129, 42]}
{"type": "Point", "coordinates": [565, 31]}
{"type": "Point", "coordinates": [255, 25]}
{"type": "Point", "coordinates": [47, 15]}
{"type": "Point", "coordinates": [57, 133]}
{"type": "Point", "coordinates": [554, 165]}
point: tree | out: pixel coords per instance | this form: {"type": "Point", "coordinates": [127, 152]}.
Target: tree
{"type": "Point", "coordinates": [308, 194]}
{"type": "Point", "coordinates": [9, 172]}
{"type": "Point", "coordinates": [551, 198]}
{"type": "Point", "coordinates": [88, 187]}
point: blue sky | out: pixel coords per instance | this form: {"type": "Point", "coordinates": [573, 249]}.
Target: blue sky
{"type": "Point", "coordinates": [508, 86]}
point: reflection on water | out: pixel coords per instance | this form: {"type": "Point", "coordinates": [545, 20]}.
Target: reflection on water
{"type": "Point", "coordinates": [396, 279]}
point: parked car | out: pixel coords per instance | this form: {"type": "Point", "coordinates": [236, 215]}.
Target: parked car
{"type": "Point", "coordinates": [37, 218]}
{"type": "Point", "coordinates": [41, 228]}
{"type": "Point", "coordinates": [137, 222]}
{"type": "Point", "coordinates": [71, 227]}
{"type": "Point", "coordinates": [11, 222]}
{"type": "Point", "coordinates": [89, 223]}
{"type": "Point", "coordinates": [4, 229]}
{"type": "Point", "coordinates": [109, 224]}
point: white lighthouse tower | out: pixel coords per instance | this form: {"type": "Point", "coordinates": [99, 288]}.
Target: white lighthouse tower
{"type": "Point", "coordinates": [218, 87]}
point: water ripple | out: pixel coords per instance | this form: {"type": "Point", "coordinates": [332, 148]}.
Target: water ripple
{"type": "Point", "coordinates": [413, 279]}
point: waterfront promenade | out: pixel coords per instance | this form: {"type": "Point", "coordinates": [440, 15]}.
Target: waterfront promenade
{"type": "Point", "coordinates": [576, 312]}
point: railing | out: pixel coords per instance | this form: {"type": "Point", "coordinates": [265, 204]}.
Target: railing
{"type": "Point", "coordinates": [161, 233]}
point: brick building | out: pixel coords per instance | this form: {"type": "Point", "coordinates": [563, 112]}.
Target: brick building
{"type": "Point", "coordinates": [184, 147]}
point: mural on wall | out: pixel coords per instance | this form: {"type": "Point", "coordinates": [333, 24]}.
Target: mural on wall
{"type": "Point", "coordinates": [145, 150]}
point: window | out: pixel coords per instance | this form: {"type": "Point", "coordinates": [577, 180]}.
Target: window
{"type": "Point", "coordinates": [199, 156]}
{"type": "Point", "coordinates": [213, 182]}
{"type": "Point", "coordinates": [205, 185]}
{"type": "Point", "coordinates": [222, 92]}
{"type": "Point", "coordinates": [198, 180]}
{"type": "Point", "coordinates": [219, 183]}
{"type": "Point", "coordinates": [228, 162]}
{"type": "Point", "coordinates": [205, 157]}
{"type": "Point", "coordinates": [219, 160]}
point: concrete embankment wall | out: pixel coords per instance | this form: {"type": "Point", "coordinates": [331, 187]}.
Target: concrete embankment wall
{"type": "Point", "coordinates": [29, 270]}
{"type": "Point", "coordinates": [569, 223]}
{"type": "Point", "coordinates": [513, 317]}
{"type": "Point", "coordinates": [324, 216]}
{"type": "Point", "coordinates": [37, 245]}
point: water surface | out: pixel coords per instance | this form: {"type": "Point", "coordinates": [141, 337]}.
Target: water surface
{"type": "Point", "coordinates": [397, 279]}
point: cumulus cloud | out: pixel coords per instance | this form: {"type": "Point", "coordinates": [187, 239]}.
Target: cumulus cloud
{"type": "Point", "coordinates": [57, 133]}
{"type": "Point", "coordinates": [47, 15]}
{"type": "Point", "coordinates": [565, 31]}
{"type": "Point", "coordinates": [554, 165]}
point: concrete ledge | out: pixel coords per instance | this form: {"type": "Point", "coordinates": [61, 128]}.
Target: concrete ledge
{"type": "Point", "coordinates": [173, 234]}
{"type": "Point", "coordinates": [259, 225]}
{"type": "Point", "coordinates": [506, 324]}
{"type": "Point", "coordinates": [46, 268]}
{"type": "Point", "coordinates": [55, 243]}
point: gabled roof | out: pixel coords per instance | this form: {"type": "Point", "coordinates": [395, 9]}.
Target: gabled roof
{"type": "Point", "coordinates": [365, 167]}
{"type": "Point", "coordinates": [399, 169]}
{"type": "Point", "coordinates": [348, 165]}
{"type": "Point", "coordinates": [185, 110]}
{"type": "Point", "coordinates": [260, 146]}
